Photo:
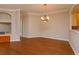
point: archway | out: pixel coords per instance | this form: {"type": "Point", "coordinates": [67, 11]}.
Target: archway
{"type": "Point", "coordinates": [14, 15]}
{"type": "Point", "coordinates": [75, 17]}
{"type": "Point", "coordinates": [5, 27]}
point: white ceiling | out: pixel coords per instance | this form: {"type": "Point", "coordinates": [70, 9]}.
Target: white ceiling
{"type": "Point", "coordinates": [36, 7]}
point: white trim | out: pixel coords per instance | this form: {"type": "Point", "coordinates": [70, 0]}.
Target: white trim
{"type": "Point", "coordinates": [57, 38]}
{"type": "Point", "coordinates": [14, 40]}
{"type": "Point", "coordinates": [34, 13]}
{"type": "Point", "coordinates": [10, 10]}
{"type": "Point", "coordinates": [31, 13]}
{"type": "Point", "coordinates": [45, 37]}
{"type": "Point", "coordinates": [58, 11]}
{"type": "Point", "coordinates": [29, 36]}
{"type": "Point", "coordinates": [23, 36]}
{"type": "Point", "coordinates": [3, 9]}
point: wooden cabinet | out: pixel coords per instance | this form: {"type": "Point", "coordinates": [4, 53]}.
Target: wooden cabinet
{"type": "Point", "coordinates": [4, 38]}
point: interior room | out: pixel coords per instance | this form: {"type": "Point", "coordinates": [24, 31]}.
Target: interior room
{"type": "Point", "coordinates": [39, 29]}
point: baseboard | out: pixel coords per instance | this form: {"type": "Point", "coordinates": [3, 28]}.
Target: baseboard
{"type": "Point", "coordinates": [57, 38]}
{"type": "Point", "coordinates": [30, 36]}
{"type": "Point", "coordinates": [44, 37]}
{"type": "Point", "coordinates": [14, 40]}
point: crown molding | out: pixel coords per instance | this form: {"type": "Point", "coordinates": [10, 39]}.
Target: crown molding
{"type": "Point", "coordinates": [59, 11]}
{"type": "Point", "coordinates": [71, 10]}
{"type": "Point", "coordinates": [54, 12]}
{"type": "Point", "coordinates": [29, 13]}
{"type": "Point", "coordinates": [10, 10]}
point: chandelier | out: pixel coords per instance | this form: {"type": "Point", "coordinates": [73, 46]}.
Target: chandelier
{"type": "Point", "coordinates": [45, 17]}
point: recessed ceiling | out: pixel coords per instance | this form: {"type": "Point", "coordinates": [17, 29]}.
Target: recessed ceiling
{"type": "Point", "coordinates": [36, 7]}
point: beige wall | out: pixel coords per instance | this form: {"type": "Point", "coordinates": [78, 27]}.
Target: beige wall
{"type": "Point", "coordinates": [34, 26]}
{"type": "Point", "coordinates": [24, 25]}
{"type": "Point", "coordinates": [31, 25]}
{"type": "Point", "coordinates": [57, 27]}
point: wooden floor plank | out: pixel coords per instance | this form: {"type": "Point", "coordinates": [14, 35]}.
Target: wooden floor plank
{"type": "Point", "coordinates": [36, 46]}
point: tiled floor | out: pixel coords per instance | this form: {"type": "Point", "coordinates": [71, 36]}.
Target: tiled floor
{"type": "Point", "coordinates": [36, 46]}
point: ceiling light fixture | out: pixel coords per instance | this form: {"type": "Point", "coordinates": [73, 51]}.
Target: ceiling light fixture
{"type": "Point", "coordinates": [45, 17]}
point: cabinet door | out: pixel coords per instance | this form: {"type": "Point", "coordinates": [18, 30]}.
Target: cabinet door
{"type": "Point", "coordinates": [4, 38]}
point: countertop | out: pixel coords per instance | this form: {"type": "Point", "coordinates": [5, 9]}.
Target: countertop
{"type": "Point", "coordinates": [4, 34]}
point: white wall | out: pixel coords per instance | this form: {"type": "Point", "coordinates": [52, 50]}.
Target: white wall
{"type": "Point", "coordinates": [24, 25]}
{"type": "Point", "coordinates": [31, 25]}
{"type": "Point", "coordinates": [56, 28]}
{"type": "Point", "coordinates": [74, 41]}
{"type": "Point", "coordinates": [34, 26]}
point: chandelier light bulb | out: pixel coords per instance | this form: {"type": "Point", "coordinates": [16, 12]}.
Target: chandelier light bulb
{"type": "Point", "coordinates": [45, 21]}
{"type": "Point", "coordinates": [42, 18]}
{"type": "Point", "coordinates": [45, 17]}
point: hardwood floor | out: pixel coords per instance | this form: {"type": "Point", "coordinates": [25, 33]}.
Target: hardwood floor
{"type": "Point", "coordinates": [36, 46]}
